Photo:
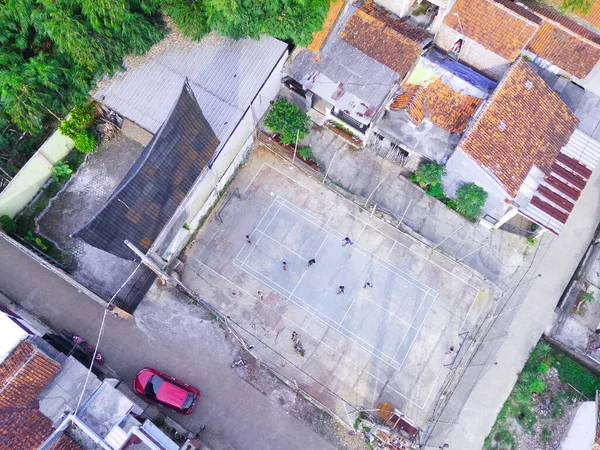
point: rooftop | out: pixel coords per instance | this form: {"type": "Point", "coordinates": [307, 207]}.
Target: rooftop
{"type": "Point", "coordinates": [156, 184]}
{"type": "Point", "coordinates": [499, 25]}
{"type": "Point", "coordinates": [225, 75]}
{"type": "Point", "coordinates": [524, 124]}
{"type": "Point", "coordinates": [394, 42]}
{"type": "Point", "coordinates": [319, 37]}
{"type": "Point", "coordinates": [442, 91]}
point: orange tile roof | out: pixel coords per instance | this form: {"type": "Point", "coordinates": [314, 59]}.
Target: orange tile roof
{"type": "Point", "coordinates": [393, 42]}
{"type": "Point", "coordinates": [438, 102]}
{"type": "Point", "coordinates": [563, 49]}
{"type": "Point", "coordinates": [27, 429]}
{"type": "Point", "coordinates": [319, 36]}
{"type": "Point", "coordinates": [495, 24]}
{"type": "Point", "coordinates": [24, 374]}
{"type": "Point", "coordinates": [592, 17]}
{"type": "Point", "coordinates": [524, 124]}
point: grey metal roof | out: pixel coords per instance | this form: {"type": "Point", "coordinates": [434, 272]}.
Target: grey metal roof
{"type": "Point", "coordinates": [224, 74]}
{"type": "Point", "coordinates": [156, 184]}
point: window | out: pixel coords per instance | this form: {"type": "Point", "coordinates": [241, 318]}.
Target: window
{"type": "Point", "coordinates": [153, 386]}
{"type": "Point", "coordinates": [189, 402]}
{"type": "Point", "coordinates": [349, 120]}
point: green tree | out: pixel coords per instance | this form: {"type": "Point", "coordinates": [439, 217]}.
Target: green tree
{"type": "Point", "coordinates": [428, 174]}
{"type": "Point", "coordinates": [583, 6]}
{"type": "Point", "coordinates": [288, 120]}
{"type": "Point", "coordinates": [470, 198]}
{"type": "Point", "coordinates": [51, 53]}
{"type": "Point", "coordinates": [289, 20]}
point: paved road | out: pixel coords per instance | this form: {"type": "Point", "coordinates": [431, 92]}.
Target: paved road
{"type": "Point", "coordinates": [556, 265]}
{"type": "Point", "coordinates": [170, 335]}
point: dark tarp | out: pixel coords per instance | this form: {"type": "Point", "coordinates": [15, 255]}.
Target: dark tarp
{"type": "Point", "coordinates": [156, 184]}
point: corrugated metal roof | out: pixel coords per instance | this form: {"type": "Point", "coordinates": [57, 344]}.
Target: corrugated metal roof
{"type": "Point", "coordinates": [225, 76]}
{"type": "Point", "coordinates": [556, 194]}
{"type": "Point", "coordinates": [156, 184]}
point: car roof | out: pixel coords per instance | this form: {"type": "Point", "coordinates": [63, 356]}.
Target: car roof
{"type": "Point", "coordinates": [172, 393]}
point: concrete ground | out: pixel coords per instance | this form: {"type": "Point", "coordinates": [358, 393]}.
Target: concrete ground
{"type": "Point", "coordinates": [556, 264]}
{"type": "Point", "coordinates": [82, 197]}
{"type": "Point", "coordinates": [497, 255]}
{"type": "Point", "coordinates": [368, 345]}
{"type": "Point", "coordinates": [169, 334]}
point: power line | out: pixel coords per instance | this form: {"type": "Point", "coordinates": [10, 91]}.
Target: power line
{"type": "Point", "coordinates": [87, 377]}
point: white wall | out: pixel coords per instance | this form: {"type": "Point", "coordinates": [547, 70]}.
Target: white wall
{"type": "Point", "coordinates": [398, 7]}
{"type": "Point", "coordinates": [473, 53]}
{"type": "Point", "coordinates": [204, 194]}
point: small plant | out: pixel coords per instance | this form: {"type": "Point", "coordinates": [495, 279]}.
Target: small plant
{"type": "Point", "coordinates": [187, 226]}
{"type": "Point", "coordinates": [588, 297]}
{"type": "Point", "coordinates": [85, 142]}
{"type": "Point", "coordinates": [36, 240]}
{"type": "Point", "coordinates": [546, 436]}
{"type": "Point", "coordinates": [305, 152]}
{"type": "Point", "coordinates": [537, 386]}
{"type": "Point", "coordinates": [61, 172]}
{"type": "Point", "coordinates": [428, 174]}
{"type": "Point", "coordinates": [81, 119]}
{"type": "Point", "coordinates": [531, 241]}
{"type": "Point", "coordinates": [159, 422]}
{"type": "Point", "coordinates": [436, 191]}
{"type": "Point", "coordinates": [582, 6]}
{"type": "Point", "coordinates": [470, 198]}
{"type": "Point", "coordinates": [288, 120]}
{"type": "Point", "coordinates": [8, 224]}
{"type": "Point", "coordinates": [542, 368]}
{"type": "Point", "coordinates": [361, 415]}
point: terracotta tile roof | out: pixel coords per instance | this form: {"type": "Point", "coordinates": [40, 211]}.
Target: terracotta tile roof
{"type": "Point", "coordinates": [27, 429]}
{"type": "Point", "coordinates": [524, 124]}
{"type": "Point", "coordinates": [550, 14]}
{"type": "Point", "coordinates": [393, 42]}
{"type": "Point", "coordinates": [593, 17]}
{"type": "Point", "coordinates": [319, 36]}
{"type": "Point", "coordinates": [24, 374]}
{"type": "Point", "coordinates": [494, 24]}
{"type": "Point", "coordinates": [439, 103]}
{"type": "Point", "coordinates": [563, 49]}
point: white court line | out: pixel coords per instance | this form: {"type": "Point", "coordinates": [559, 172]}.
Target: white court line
{"type": "Point", "coordinates": [304, 331]}
{"type": "Point", "coordinates": [389, 312]}
{"type": "Point", "coordinates": [316, 254]}
{"type": "Point", "coordinates": [372, 256]}
{"type": "Point", "coordinates": [280, 244]}
{"type": "Point", "coordinates": [256, 229]}
{"type": "Point", "coordinates": [361, 232]}
{"type": "Point", "coordinates": [385, 235]}
{"type": "Point", "coordinates": [390, 252]}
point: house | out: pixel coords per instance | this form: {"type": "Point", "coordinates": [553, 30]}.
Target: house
{"type": "Point", "coordinates": [349, 77]}
{"type": "Point", "coordinates": [226, 86]}
{"type": "Point", "coordinates": [41, 389]}
{"type": "Point", "coordinates": [527, 150]}
{"type": "Point", "coordinates": [490, 34]}
{"type": "Point", "coordinates": [432, 108]}
{"type": "Point", "coordinates": [24, 373]}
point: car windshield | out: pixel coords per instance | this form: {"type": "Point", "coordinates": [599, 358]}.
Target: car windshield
{"type": "Point", "coordinates": [153, 385]}
{"type": "Point", "coordinates": [189, 401]}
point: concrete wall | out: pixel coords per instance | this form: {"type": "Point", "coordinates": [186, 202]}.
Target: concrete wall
{"type": "Point", "coordinates": [462, 169]}
{"type": "Point", "coordinates": [592, 81]}
{"type": "Point", "coordinates": [204, 194]}
{"type": "Point", "coordinates": [399, 7]}
{"type": "Point", "coordinates": [473, 53]}
{"type": "Point", "coordinates": [32, 176]}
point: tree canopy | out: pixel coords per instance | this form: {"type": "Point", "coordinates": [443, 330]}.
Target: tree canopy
{"type": "Point", "coordinates": [289, 20]}
{"type": "Point", "coordinates": [51, 52]}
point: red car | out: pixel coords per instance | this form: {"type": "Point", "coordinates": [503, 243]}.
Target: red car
{"type": "Point", "coordinates": [165, 389]}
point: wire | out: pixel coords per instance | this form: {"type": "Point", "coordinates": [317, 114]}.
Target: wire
{"type": "Point", "coordinates": [87, 377]}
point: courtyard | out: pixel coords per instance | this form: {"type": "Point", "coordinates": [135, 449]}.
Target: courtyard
{"type": "Point", "coordinates": [386, 341]}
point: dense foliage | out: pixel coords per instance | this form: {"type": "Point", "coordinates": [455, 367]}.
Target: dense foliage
{"type": "Point", "coordinates": [51, 52]}
{"type": "Point", "coordinates": [289, 20]}
{"type": "Point", "coordinates": [428, 175]}
{"type": "Point", "coordinates": [288, 120]}
{"type": "Point", "coordinates": [470, 198]}
{"type": "Point", "coordinates": [582, 6]}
